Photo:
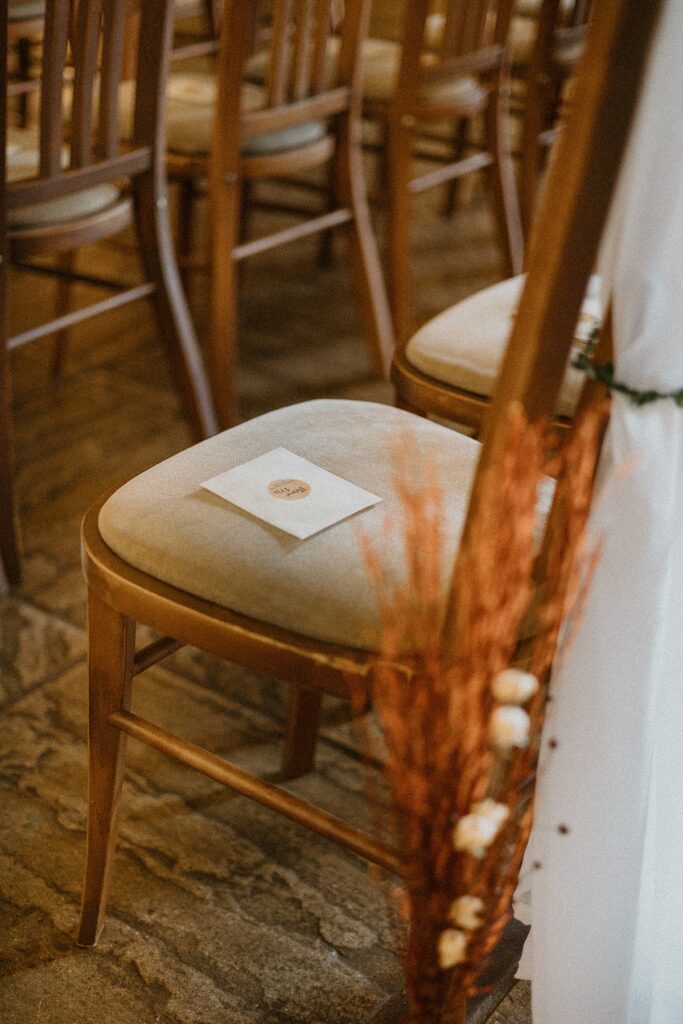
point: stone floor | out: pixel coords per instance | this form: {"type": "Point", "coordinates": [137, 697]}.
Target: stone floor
{"type": "Point", "coordinates": [221, 912]}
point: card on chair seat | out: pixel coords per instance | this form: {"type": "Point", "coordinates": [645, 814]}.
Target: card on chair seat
{"type": "Point", "coordinates": [291, 493]}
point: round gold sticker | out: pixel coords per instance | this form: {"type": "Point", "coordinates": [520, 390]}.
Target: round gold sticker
{"type": "Point", "coordinates": [289, 490]}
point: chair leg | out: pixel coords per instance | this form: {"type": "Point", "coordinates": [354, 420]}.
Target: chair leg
{"type": "Point", "coordinates": [186, 199]}
{"type": "Point", "coordinates": [24, 72]}
{"type": "Point", "coordinates": [302, 731]}
{"type": "Point", "coordinates": [10, 566]}
{"type": "Point", "coordinates": [110, 662]}
{"type": "Point", "coordinates": [225, 220]}
{"type": "Point", "coordinates": [65, 261]}
{"type": "Point", "coordinates": [367, 269]}
{"type": "Point", "coordinates": [399, 239]}
{"type": "Point", "coordinates": [156, 246]}
{"type": "Point", "coordinates": [505, 199]}
{"type": "Point", "coordinates": [10, 571]}
{"type": "Point", "coordinates": [534, 117]}
{"type": "Point", "coordinates": [453, 187]}
{"type": "Point", "coordinates": [325, 258]}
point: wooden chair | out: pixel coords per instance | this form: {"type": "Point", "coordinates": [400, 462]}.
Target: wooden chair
{"type": "Point", "coordinates": [449, 367]}
{"type": "Point", "coordinates": [160, 551]}
{"type": "Point", "coordinates": [450, 67]}
{"type": "Point", "coordinates": [240, 134]}
{"type": "Point", "coordinates": [74, 184]}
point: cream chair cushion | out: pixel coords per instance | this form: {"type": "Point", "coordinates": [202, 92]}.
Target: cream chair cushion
{"type": "Point", "coordinates": [464, 345]}
{"type": "Point", "coordinates": [521, 39]}
{"type": "Point", "coordinates": [25, 10]}
{"type": "Point", "coordinates": [164, 523]}
{"type": "Point", "coordinates": [23, 158]}
{"type": "Point", "coordinates": [527, 8]}
{"type": "Point", "coordinates": [190, 107]}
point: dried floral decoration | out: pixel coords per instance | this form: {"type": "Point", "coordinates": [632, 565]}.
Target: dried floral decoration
{"type": "Point", "coordinates": [461, 722]}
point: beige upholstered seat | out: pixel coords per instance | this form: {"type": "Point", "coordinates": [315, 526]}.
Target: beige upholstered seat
{"type": "Point", "coordinates": [166, 524]}
{"type": "Point", "coordinates": [22, 162]}
{"type": "Point", "coordinates": [464, 345]}
{"type": "Point", "coordinates": [521, 39]}
{"type": "Point", "coordinates": [527, 8]}
{"type": "Point", "coordinates": [25, 10]}
{"type": "Point", "coordinates": [190, 102]}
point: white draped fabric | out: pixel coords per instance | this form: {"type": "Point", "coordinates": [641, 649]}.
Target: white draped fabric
{"type": "Point", "coordinates": [607, 900]}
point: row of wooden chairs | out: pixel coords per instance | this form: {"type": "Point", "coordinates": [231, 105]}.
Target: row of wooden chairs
{"type": "Point", "coordinates": [300, 108]}
{"type": "Point", "coordinates": [72, 183]}
{"type": "Point", "coordinates": [299, 612]}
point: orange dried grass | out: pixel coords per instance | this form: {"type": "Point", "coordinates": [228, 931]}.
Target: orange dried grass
{"type": "Point", "coordinates": [434, 704]}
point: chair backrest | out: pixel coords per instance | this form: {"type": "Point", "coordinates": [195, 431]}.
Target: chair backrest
{"type": "Point", "coordinates": [461, 37]}
{"type": "Point", "coordinates": [569, 225]}
{"type": "Point", "coordinates": [312, 61]}
{"type": "Point", "coordinates": [298, 49]}
{"type": "Point", "coordinates": [79, 129]}
{"type": "Point", "coordinates": [475, 25]}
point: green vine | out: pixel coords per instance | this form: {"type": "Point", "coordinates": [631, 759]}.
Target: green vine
{"type": "Point", "coordinates": [604, 374]}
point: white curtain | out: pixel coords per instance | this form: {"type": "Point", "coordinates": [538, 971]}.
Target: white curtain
{"type": "Point", "coordinates": [607, 899]}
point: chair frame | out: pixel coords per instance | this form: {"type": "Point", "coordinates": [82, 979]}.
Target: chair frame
{"type": "Point", "coordinates": [574, 212]}
{"type": "Point", "coordinates": [297, 93]}
{"type": "Point", "coordinates": [416, 390]}
{"type": "Point", "coordinates": [96, 158]}
{"type": "Point", "coordinates": [467, 50]}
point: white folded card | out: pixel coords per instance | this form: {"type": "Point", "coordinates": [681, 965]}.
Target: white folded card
{"type": "Point", "coordinates": [290, 492]}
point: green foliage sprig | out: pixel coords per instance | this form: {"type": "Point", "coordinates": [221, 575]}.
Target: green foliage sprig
{"type": "Point", "coordinates": [604, 374]}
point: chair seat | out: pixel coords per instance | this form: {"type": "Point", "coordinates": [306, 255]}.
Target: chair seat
{"type": "Point", "coordinates": [190, 103]}
{"type": "Point", "coordinates": [165, 524]}
{"type": "Point", "coordinates": [22, 162]}
{"type": "Point", "coordinates": [527, 8]}
{"type": "Point", "coordinates": [25, 10]}
{"type": "Point", "coordinates": [521, 39]}
{"type": "Point", "coordinates": [464, 345]}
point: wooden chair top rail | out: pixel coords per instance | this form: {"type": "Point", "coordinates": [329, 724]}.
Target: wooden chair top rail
{"type": "Point", "coordinates": [312, 108]}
